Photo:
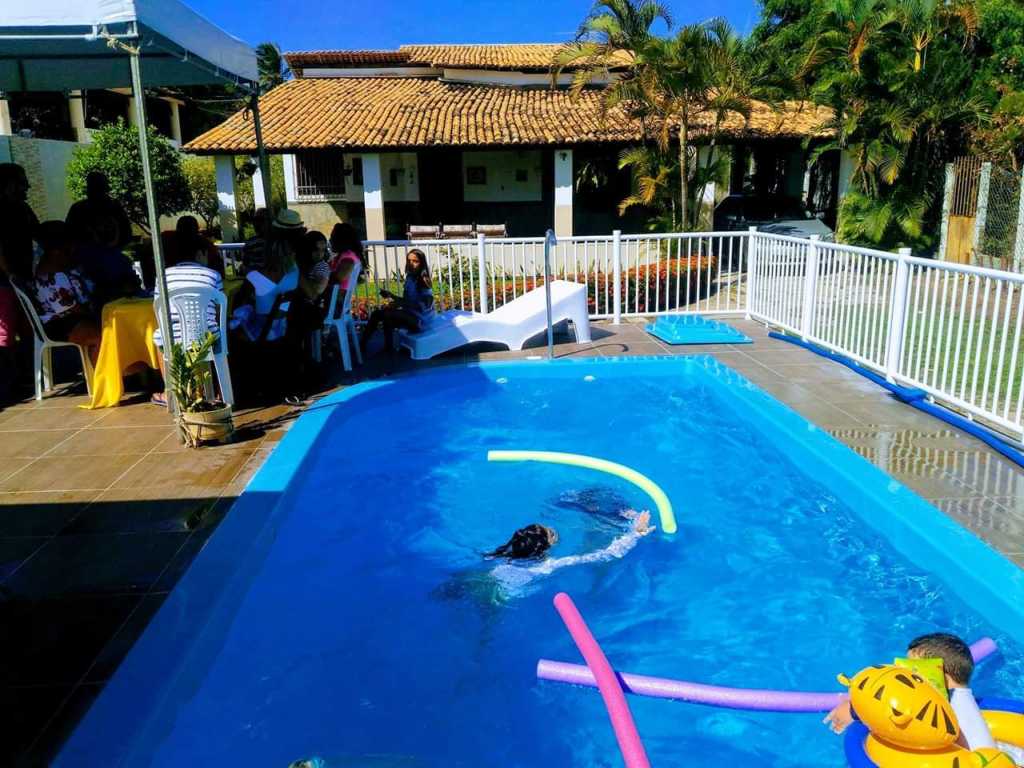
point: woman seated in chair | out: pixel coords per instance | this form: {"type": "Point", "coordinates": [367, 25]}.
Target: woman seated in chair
{"type": "Point", "coordinates": [62, 294]}
{"type": "Point", "coordinates": [304, 320]}
{"type": "Point", "coordinates": [347, 252]}
{"type": "Point", "coordinates": [255, 300]}
{"type": "Point", "coordinates": [102, 262]}
{"type": "Point", "coordinates": [412, 310]}
{"type": "Point", "coordinates": [189, 273]}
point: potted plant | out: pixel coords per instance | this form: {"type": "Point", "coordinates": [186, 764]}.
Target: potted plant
{"type": "Point", "coordinates": [199, 418]}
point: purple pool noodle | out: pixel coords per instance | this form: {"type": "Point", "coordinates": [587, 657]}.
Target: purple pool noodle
{"type": "Point", "coordinates": [717, 695]}
{"type": "Point", "coordinates": [983, 648]}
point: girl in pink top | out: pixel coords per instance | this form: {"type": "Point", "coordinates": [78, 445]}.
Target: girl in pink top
{"type": "Point", "coordinates": [348, 251]}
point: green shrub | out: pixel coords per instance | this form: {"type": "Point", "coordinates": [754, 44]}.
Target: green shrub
{"type": "Point", "coordinates": [114, 151]}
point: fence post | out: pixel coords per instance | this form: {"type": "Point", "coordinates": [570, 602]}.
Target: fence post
{"type": "Point", "coordinates": [947, 209]}
{"type": "Point", "coordinates": [617, 276]}
{"type": "Point", "coordinates": [897, 316]}
{"type": "Point", "coordinates": [751, 253]}
{"type": "Point", "coordinates": [810, 288]}
{"type": "Point", "coordinates": [1018, 243]}
{"type": "Point", "coordinates": [481, 268]}
{"type": "Point", "coordinates": [981, 217]}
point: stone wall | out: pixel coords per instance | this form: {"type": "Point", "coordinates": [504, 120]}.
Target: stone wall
{"type": "Point", "coordinates": [321, 216]}
{"type": "Point", "coordinates": [45, 163]}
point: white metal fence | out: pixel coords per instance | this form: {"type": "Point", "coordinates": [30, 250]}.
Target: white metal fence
{"type": "Point", "coordinates": [951, 330]}
{"type": "Point", "coordinates": [625, 275]}
{"type": "Point", "coordinates": [954, 331]}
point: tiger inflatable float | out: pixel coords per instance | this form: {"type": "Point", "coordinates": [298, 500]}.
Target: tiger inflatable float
{"type": "Point", "coordinates": [912, 725]}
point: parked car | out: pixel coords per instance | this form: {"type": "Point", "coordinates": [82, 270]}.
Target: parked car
{"type": "Point", "coordinates": [777, 215]}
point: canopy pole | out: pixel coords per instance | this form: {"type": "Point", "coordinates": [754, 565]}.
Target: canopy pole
{"type": "Point", "coordinates": [154, 226]}
{"type": "Point", "coordinates": [261, 154]}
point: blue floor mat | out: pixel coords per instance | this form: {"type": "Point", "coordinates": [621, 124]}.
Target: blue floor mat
{"type": "Point", "coordinates": [694, 329]}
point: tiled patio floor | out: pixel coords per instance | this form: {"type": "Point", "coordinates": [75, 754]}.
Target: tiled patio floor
{"type": "Point", "coordinates": [102, 511]}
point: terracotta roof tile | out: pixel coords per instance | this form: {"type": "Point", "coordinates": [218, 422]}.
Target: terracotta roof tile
{"type": "Point", "coordinates": [526, 57]}
{"type": "Point", "coordinates": [301, 59]}
{"type": "Point", "coordinates": [522, 57]}
{"type": "Point", "coordinates": [396, 113]}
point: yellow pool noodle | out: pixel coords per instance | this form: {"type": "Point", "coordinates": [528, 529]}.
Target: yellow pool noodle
{"type": "Point", "coordinates": [664, 506]}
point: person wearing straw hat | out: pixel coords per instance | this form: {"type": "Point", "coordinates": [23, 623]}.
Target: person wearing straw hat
{"type": "Point", "coordinates": [276, 275]}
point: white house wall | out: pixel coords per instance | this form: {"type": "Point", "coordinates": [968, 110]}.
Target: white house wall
{"type": "Point", "coordinates": [501, 168]}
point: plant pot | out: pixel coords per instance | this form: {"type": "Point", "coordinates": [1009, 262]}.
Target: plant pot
{"type": "Point", "coordinates": [215, 426]}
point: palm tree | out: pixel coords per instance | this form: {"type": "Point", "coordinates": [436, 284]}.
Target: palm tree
{"type": "Point", "coordinates": [894, 74]}
{"type": "Point", "coordinates": [926, 20]}
{"type": "Point", "coordinates": [848, 30]}
{"type": "Point", "coordinates": [696, 78]}
{"type": "Point", "coordinates": [611, 45]}
{"type": "Point", "coordinates": [653, 178]}
{"type": "Point", "coordinates": [270, 66]}
{"type": "Point", "coordinates": [681, 82]}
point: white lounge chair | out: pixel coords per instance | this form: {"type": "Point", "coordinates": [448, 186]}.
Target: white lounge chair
{"type": "Point", "coordinates": [512, 324]}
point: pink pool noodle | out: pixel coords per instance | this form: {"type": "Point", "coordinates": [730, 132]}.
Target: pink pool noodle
{"type": "Point", "coordinates": [717, 695]}
{"type": "Point", "coordinates": [611, 691]}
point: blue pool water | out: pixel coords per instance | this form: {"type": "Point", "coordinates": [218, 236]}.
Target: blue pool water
{"type": "Point", "coordinates": [355, 621]}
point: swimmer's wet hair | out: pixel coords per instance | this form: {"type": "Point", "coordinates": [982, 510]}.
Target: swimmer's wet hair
{"type": "Point", "coordinates": [957, 661]}
{"type": "Point", "coordinates": [531, 541]}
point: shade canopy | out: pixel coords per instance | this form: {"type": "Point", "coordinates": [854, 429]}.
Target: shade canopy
{"type": "Point", "coordinates": [59, 45]}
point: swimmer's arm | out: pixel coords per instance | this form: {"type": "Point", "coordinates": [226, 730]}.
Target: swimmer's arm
{"type": "Point", "coordinates": [617, 549]}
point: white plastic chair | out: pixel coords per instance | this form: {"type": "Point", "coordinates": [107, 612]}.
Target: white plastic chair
{"type": "Point", "coordinates": [190, 303]}
{"type": "Point", "coordinates": [44, 346]}
{"type": "Point", "coordinates": [343, 324]}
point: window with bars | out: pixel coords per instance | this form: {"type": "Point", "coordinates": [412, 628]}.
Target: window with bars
{"type": "Point", "coordinates": [319, 174]}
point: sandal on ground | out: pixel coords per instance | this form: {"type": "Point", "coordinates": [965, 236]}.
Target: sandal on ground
{"type": "Point", "coordinates": [159, 398]}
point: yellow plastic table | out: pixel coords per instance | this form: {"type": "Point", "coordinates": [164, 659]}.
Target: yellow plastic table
{"type": "Point", "coordinates": [128, 326]}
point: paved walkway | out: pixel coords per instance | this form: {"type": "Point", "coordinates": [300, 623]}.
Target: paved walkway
{"type": "Point", "coordinates": [102, 511]}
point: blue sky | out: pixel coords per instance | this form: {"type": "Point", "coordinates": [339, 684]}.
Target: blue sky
{"type": "Point", "coordinates": [312, 24]}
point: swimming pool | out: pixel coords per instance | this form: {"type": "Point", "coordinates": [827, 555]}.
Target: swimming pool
{"type": "Point", "coordinates": [343, 611]}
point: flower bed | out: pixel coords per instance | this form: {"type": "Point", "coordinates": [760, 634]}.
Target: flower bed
{"type": "Point", "coordinates": [650, 288]}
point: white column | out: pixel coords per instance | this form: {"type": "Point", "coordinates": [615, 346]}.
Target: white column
{"type": "Point", "coordinates": [373, 198]}
{"type": "Point", "coordinates": [845, 174]}
{"type": "Point", "coordinates": [132, 117]}
{"type": "Point", "coordinates": [563, 192]}
{"type": "Point", "coordinates": [981, 217]}
{"type": "Point", "coordinates": [175, 122]}
{"type": "Point", "coordinates": [76, 112]}
{"type": "Point", "coordinates": [947, 208]}
{"type": "Point", "coordinates": [291, 193]}
{"type": "Point", "coordinates": [258, 198]}
{"type": "Point", "coordinates": [224, 167]}
{"type": "Point", "coordinates": [6, 129]}
{"type": "Point", "coordinates": [707, 201]}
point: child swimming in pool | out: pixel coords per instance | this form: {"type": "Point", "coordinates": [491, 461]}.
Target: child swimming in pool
{"type": "Point", "coordinates": [534, 541]}
{"type": "Point", "coordinates": [958, 666]}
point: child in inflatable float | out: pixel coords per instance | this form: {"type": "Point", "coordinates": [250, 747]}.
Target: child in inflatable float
{"type": "Point", "coordinates": [910, 721]}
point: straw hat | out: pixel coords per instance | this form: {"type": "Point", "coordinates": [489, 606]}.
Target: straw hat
{"type": "Point", "coordinates": [288, 219]}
